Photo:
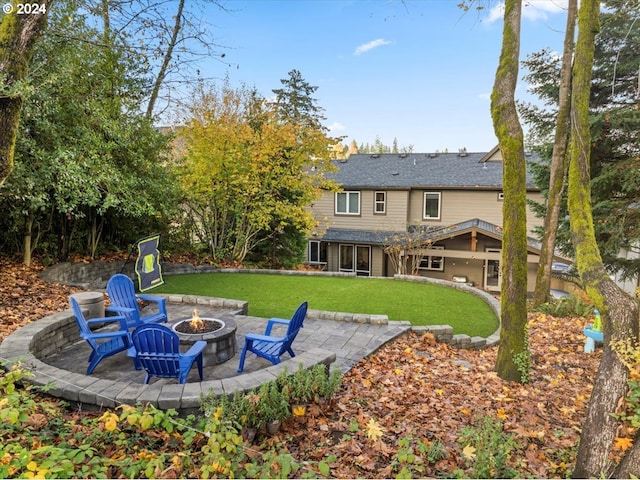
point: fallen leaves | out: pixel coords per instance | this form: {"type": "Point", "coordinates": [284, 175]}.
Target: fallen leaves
{"type": "Point", "coordinates": [435, 399]}
{"type": "Point", "coordinates": [622, 443]}
{"type": "Point", "coordinates": [374, 430]}
{"type": "Point", "coordinates": [412, 387]}
{"type": "Point", "coordinates": [25, 297]}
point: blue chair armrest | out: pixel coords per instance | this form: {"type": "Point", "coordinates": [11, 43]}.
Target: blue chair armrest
{"type": "Point", "coordinates": [118, 333]}
{"type": "Point", "coordinates": [263, 338]}
{"type": "Point", "coordinates": [275, 321]}
{"type": "Point", "coordinates": [121, 310]}
{"type": "Point", "coordinates": [122, 320]}
{"type": "Point", "coordinates": [195, 349]}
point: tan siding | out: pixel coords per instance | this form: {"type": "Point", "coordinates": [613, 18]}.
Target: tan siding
{"type": "Point", "coordinates": [377, 257]}
{"type": "Point", "coordinates": [393, 219]}
{"type": "Point", "coordinates": [461, 205]}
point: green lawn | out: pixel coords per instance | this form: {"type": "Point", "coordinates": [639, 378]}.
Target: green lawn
{"type": "Point", "coordinates": [279, 295]}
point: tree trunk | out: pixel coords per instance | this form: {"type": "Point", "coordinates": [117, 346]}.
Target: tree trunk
{"type": "Point", "coordinates": [619, 311]}
{"type": "Point", "coordinates": [513, 353]}
{"type": "Point", "coordinates": [166, 60]}
{"type": "Point", "coordinates": [558, 164]}
{"type": "Point", "coordinates": [18, 34]}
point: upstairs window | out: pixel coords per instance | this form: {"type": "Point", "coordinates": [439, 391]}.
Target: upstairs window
{"type": "Point", "coordinates": [347, 203]}
{"type": "Point", "coordinates": [380, 202]}
{"type": "Point", "coordinates": [431, 206]}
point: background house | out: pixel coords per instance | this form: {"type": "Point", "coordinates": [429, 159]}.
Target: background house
{"type": "Point", "coordinates": [450, 204]}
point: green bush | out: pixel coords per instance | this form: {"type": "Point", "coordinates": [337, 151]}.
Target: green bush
{"type": "Point", "coordinates": [569, 306]}
{"type": "Point", "coordinates": [40, 438]}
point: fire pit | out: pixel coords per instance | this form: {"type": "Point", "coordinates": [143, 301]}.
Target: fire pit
{"type": "Point", "coordinates": [198, 325]}
{"type": "Point", "coordinates": [220, 336]}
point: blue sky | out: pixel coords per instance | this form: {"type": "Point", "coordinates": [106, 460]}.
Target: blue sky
{"type": "Point", "coordinates": [420, 71]}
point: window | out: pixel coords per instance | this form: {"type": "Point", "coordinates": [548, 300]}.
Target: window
{"type": "Point", "coordinates": [380, 202]}
{"type": "Point", "coordinates": [317, 251]}
{"type": "Point", "coordinates": [348, 203]}
{"type": "Point", "coordinates": [430, 262]}
{"type": "Point", "coordinates": [432, 205]}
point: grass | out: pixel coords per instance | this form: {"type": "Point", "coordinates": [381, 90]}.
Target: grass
{"type": "Point", "coordinates": [279, 295]}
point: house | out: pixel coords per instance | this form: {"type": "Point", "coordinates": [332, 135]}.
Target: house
{"type": "Point", "coordinates": [443, 211]}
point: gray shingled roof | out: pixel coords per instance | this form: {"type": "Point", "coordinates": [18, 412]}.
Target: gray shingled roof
{"type": "Point", "coordinates": [421, 170]}
{"type": "Point", "coordinates": [434, 234]}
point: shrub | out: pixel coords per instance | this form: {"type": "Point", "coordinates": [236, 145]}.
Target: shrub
{"type": "Point", "coordinates": [571, 305]}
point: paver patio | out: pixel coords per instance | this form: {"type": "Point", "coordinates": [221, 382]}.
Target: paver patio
{"type": "Point", "coordinates": [116, 381]}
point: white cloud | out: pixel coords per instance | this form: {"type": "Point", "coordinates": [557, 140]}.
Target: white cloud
{"type": "Point", "coordinates": [371, 45]}
{"type": "Point", "coordinates": [531, 10]}
{"type": "Point", "coordinates": [541, 9]}
{"type": "Point", "coordinates": [496, 13]}
{"type": "Point", "coordinates": [337, 127]}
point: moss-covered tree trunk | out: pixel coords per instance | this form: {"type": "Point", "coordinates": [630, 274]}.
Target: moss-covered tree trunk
{"type": "Point", "coordinates": [619, 311]}
{"type": "Point", "coordinates": [558, 163]}
{"type": "Point", "coordinates": [513, 354]}
{"type": "Point", "coordinates": [18, 34]}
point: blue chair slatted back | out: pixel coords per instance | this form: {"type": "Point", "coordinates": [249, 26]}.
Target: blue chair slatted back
{"type": "Point", "coordinates": [124, 301]}
{"type": "Point", "coordinates": [157, 349]}
{"type": "Point", "coordinates": [83, 326]}
{"type": "Point", "coordinates": [122, 292]}
{"type": "Point", "coordinates": [294, 327]}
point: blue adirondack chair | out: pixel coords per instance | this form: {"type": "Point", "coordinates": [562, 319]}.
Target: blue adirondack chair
{"type": "Point", "coordinates": [271, 347]}
{"type": "Point", "coordinates": [157, 350]}
{"type": "Point", "coordinates": [103, 344]}
{"type": "Point", "coordinates": [124, 301]}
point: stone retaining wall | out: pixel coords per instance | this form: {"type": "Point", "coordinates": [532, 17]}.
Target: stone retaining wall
{"type": "Point", "coordinates": [96, 274]}
{"type": "Point", "coordinates": [31, 344]}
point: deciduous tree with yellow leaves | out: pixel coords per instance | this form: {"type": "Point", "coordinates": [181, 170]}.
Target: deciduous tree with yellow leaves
{"type": "Point", "coordinates": [246, 173]}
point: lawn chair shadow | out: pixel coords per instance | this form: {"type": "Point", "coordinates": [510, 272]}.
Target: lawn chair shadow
{"type": "Point", "coordinates": [271, 347]}
{"type": "Point", "coordinates": [157, 351]}
{"type": "Point", "coordinates": [103, 344]}
{"type": "Point", "coordinates": [124, 301]}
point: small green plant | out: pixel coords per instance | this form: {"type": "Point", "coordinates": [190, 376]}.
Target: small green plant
{"type": "Point", "coordinates": [299, 386]}
{"type": "Point", "coordinates": [273, 404]}
{"type": "Point", "coordinates": [324, 384]}
{"type": "Point", "coordinates": [240, 410]}
{"type": "Point", "coordinates": [522, 360]}
{"type": "Point", "coordinates": [571, 305]}
{"type": "Point", "coordinates": [488, 451]}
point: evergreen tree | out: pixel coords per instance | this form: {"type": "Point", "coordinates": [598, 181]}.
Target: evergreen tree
{"type": "Point", "coordinates": [615, 129]}
{"type": "Point", "coordinates": [296, 104]}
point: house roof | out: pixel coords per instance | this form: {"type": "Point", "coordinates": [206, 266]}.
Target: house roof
{"type": "Point", "coordinates": [423, 170]}
{"type": "Point", "coordinates": [383, 237]}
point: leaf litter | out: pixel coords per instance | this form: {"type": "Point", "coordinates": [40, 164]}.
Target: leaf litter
{"type": "Point", "coordinates": [413, 387]}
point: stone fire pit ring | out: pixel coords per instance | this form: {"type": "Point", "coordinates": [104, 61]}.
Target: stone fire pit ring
{"type": "Point", "coordinates": [221, 343]}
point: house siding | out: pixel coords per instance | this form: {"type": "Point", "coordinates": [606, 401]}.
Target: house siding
{"type": "Point", "coordinates": [469, 188]}
{"type": "Point", "coordinates": [460, 205]}
{"type": "Point", "coordinates": [393, 219]}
